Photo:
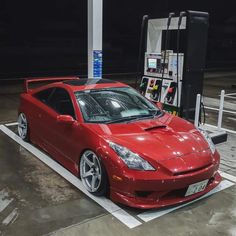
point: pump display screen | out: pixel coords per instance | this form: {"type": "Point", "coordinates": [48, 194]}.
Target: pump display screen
{"type": "Point", "coordinates": [152, 63]}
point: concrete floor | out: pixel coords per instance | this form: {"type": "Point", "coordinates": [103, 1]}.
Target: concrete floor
{"type": "Point", "coordinates": [43, 203]}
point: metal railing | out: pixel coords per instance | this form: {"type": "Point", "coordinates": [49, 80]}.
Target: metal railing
{"type": "Point", "coordinates": [220, 110]}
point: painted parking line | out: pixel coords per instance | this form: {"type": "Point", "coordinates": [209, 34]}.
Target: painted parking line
{"type": "Point", "coordinates": [107, 204]}
{"type": "Point", "coordinates": [228, 176]}
{"type": "Point", "coordinates": [153, 214]}
{"type": "Point", "coordinates": [11, 124]}
{"type": "Point", "coordinates": [11, 217]}
{"type": "Point", "coordinates": [4, 199]}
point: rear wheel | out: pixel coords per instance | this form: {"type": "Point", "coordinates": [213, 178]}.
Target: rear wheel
{"type": "Point", "coordinates": [23, 127]}
{"type": "Point", "coordinates": [93, 174]}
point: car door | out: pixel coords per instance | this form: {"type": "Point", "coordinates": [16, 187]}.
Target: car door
{"type": "Point", "coordinates": [63, 138]}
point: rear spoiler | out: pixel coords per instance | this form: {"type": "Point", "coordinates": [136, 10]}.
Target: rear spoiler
{"type": "Point", "coordinates": [45, 79]}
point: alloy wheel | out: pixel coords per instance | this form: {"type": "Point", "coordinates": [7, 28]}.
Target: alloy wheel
{"type": "Point", "coordinates": [90, 171]}
{"type": "Point", "coordinates": [22, 126]}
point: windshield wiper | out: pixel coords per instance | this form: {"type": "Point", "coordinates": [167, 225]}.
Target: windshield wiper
{"type": "Point", "coordinates": [150, 116]}
{"type": "Point", "coordinates": [130, 118]}
{"type": "Point", "coordinates": [122, 119]}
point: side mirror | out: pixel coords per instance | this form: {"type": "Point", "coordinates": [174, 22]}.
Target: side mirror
{"type": "Point", "coordinates": [65, 119]}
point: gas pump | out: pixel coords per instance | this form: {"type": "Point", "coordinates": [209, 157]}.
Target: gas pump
{"type": "Point", "coordinates": [174, 61]}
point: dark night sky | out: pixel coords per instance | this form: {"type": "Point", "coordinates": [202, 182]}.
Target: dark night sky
{"type": "Point", "coordinates": [50, 37]}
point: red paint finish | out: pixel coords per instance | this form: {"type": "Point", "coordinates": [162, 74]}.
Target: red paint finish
{"type": "Point", "coordinates": [177, 150]}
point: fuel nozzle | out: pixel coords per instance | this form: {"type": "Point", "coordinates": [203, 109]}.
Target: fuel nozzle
{"type": "Point", "coordinates": [171, 14]}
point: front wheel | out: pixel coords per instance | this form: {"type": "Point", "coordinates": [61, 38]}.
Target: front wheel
{"type": "Point", "coordinates": [93, 174]}
{"type": "Point", "coordinates": [23, 127]}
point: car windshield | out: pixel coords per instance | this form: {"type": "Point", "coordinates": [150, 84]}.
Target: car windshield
{"type": "Point", "coordinates": [114, 105]}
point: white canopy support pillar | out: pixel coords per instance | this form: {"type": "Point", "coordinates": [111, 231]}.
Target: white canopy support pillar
{"type": "Point", "coordinates": [95, 13]}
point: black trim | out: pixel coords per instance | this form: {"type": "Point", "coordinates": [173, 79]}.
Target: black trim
{"type": "Point", "coordinates": [219, 137]}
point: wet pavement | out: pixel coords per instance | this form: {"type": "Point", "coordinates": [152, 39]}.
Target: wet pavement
{"type": "Point", "coordinates": [43, 200]}
{"type": "Point", "coordinates": [34, 200]}
{"type": "Point", "coordinates": [204, 218]}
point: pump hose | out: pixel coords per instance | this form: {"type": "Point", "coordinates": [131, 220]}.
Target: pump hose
{"type": "Point", "coordinates": [171, 14]}
{"type": "Point", "coordinates": [177, 51]}
{"type": "Point", "coordinates": [202, 109]}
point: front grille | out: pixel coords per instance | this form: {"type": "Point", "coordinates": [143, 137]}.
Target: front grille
{"type": "Point", "coordinates": [181, 192]}
{"type": "Point", "coordinates": [143, 194]}
{"type": "Point", "coordinates": [176, 193]}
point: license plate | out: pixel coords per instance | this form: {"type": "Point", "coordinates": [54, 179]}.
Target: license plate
{"type": "Point", "coordinates": [196, 188]}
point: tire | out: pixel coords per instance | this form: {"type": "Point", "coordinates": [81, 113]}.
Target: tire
{"type": "Point", "coordinates": [23, 127]}
{"type": "Point", "coordinates": [93, 174]}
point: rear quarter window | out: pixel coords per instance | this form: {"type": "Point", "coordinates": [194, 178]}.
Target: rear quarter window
{"type": "Point", "coordinates": [44, 95]}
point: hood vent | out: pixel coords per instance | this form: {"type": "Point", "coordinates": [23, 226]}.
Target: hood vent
{"type": "Point", "coordinates": [155, 127]}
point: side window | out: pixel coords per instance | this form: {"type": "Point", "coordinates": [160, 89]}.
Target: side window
{"type": "Point", "coordinates": [44, 95]}
{"type": "Point", "coordinates": [61, 102]}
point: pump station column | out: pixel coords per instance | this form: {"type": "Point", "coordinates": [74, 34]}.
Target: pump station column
{"type": "Point", "coordinates": [95, 12]}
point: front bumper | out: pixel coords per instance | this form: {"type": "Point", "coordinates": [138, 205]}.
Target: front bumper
{"type": "Point", "coordinates": [147, 194]}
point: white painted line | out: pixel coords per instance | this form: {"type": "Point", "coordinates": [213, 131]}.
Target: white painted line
{"type": "Point", "coordinates": [126, 217]}
{"type": "Point", "coordinates": [4, 199]}
{"type": "Point", "coordinates": [153, 214]}
{"type": "Point", "coordinates": [11, 217]}
{"type": "Point", "coordinates": [228, 176]}
{"type": "Point", "coordinates": [107, 204]}
{"type": "Point", "coordinates": [11, 124]}
{"type": "Point", "coordinates": [231, 118]}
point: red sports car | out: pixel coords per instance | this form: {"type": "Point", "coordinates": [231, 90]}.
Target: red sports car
{"type": "Point", "coordinates": [119, 143]}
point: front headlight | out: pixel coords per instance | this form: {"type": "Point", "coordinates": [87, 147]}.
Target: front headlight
{"type": "Point", "coordinates": [209, 140]}
{"type": "Point", "coordinates": [132, 160]}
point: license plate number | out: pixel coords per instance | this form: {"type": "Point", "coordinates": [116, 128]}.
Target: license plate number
{"type": "Point", "coordinates": [196, 188]}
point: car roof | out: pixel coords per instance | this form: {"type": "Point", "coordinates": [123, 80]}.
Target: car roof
{"type": "Point", "coordinates": [81, 84]}
{"type": "Point", "coordinates": [88, 83]}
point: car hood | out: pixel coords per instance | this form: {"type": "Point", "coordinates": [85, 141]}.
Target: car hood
{"type": "Point", "coordinates": [159, 139]}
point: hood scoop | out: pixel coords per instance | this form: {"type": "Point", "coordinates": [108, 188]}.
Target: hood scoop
{"type": "Point", "coordinates": [155, 127]}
